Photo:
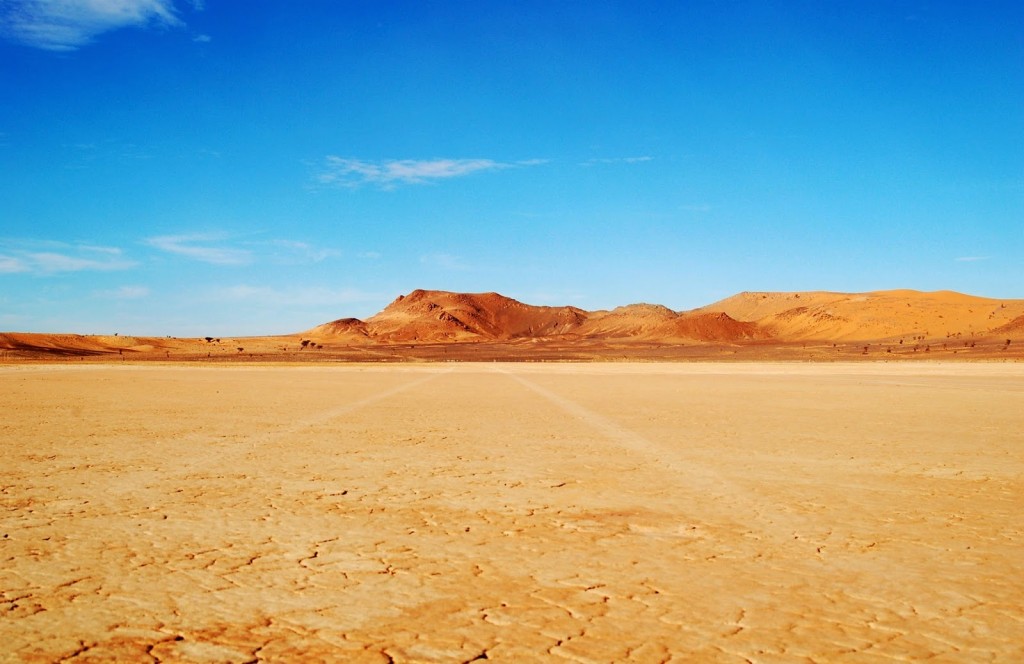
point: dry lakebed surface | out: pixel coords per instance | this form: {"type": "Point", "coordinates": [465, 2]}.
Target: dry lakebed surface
{"type": "Point", "coordinates": [762, 512]}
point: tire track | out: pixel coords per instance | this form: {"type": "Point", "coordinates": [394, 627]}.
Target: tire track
{"type": "Point", "coordinates": [737, 502]}
{"type": "Point", "coordinates": [250, 442]}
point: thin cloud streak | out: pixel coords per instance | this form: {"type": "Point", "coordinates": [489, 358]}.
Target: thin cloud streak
{"type": "Point", "coordinates": [215, 249]}
{"type": "Point", "coordinates": [12, 265]}
{"type": "Point", "coordinates": [112, 251]}
{"type": "Point", "coordinates": [48, 258]}
{"type": "Point", "coordinates": [352, 173]}
{"type": "Point", "coordinates": [616, 160]}
{"type": "Point", "coordinates": [66, 25]}
{"type": "Point", "coordinates": [49, 262]}
{"type": "Point", "coordinates": [197, 247]}
{"type": "Point", "coordinates": [971, 259]}
{"type": "Point", "coordinates": [304, 252]}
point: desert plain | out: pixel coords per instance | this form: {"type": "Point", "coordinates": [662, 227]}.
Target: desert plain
{"type": "Point", "coordinates": [455, 512]}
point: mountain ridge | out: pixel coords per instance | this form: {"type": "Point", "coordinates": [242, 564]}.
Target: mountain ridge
{"type": "Point", "coordinates": [443, 325]}
{"type": "Point", "coordinates": [444, 316]}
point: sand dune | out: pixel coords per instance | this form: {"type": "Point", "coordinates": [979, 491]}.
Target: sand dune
{"type": "Point", "coordinates": [761, 325]}
{"type": "Point", "coordinates": [877, 315]}
{"type": "Point", "coordinates": [78, 343]}
{"type": "Point", "coordinates": [630, 321]}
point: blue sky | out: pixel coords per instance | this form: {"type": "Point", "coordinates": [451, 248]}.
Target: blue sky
{"type": "Point", "coordinates": [212, 167]}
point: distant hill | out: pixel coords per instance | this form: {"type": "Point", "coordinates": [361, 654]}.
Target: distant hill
{"type": "Point", "coordinates": [756, 321]}
{"type": "Point", "coordinates": [441, 316]}
{"type": "Point", "coordinates": [879, 315]}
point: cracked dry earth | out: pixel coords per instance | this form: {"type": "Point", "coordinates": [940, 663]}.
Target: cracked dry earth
{"type": "Point", "coordinates": [452, 513]}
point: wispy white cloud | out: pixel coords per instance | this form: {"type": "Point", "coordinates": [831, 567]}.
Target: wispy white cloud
{"type": "Point", "coordinates": [370, 255]}
{"type": "Point", "coordinates": [206, 248]}
{"type": "Point", "coordinates": [66, 25]}
{"type": "Point", "coordinates": [12, 265]}
{"type": "Point", "coordinates": [615, 160]}
{"type": "Point", "coordinates": [50, 262]}
{"type": "Point", "coordinates": [222, 249]}
{"type": "Point", "coordinates": [350, 173]}
{"type": "Point", "coordinates": [444, 261]}
{"type": "Point", "coordinates": [202, 39]}
{"type": "Point", "coordinates": [293, 251]}
{"type": "Point", "coordinates": [971, 259]}
{"type": "Point", "coordinates": [110, 251]}
{"type": "Point", "coordinates": [46, 257]}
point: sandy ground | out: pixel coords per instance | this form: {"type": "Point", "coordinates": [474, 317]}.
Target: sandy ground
{"type": "Point", "coordinates": [627, 512]}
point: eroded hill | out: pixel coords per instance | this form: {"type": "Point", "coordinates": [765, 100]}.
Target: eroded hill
{"type": "Point", "coordinates": [431, 324]}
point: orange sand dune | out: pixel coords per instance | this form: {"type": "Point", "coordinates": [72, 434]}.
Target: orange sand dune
{"type": "Point", "coordinates": [77, 343]}
{"type": "Point", "coordinates": [634, 320]}
{"type": "Point", "coordinates": [879, 315]}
